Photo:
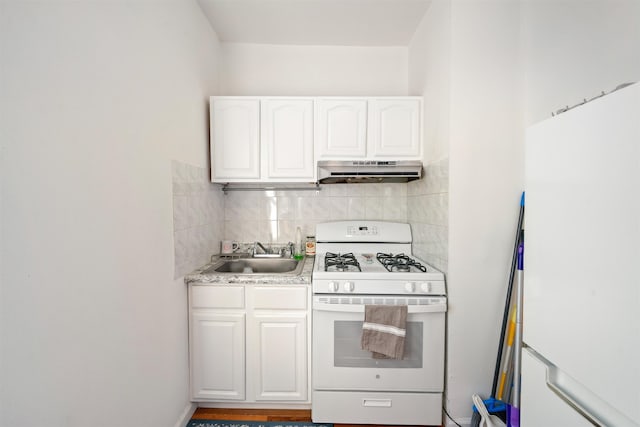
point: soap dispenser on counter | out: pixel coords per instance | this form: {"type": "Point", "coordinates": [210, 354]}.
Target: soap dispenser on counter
{"type": "Point", "coordinates": [298, 252]}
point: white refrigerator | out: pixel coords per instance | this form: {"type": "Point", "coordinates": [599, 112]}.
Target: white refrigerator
{"type": "Point", "coordinates": [581, 318]}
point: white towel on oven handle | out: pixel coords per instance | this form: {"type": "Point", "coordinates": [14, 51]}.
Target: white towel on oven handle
{"type": "Point", "coordinates": [384, 330]}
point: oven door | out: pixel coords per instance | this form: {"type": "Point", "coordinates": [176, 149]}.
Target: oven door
{"type": "Point", "coordinates": [340, 364]}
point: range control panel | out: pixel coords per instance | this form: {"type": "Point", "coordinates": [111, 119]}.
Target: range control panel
{"type": "Point", "coordinates": [362, 230]}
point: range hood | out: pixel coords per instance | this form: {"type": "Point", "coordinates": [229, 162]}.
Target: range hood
{"type": "Point", "coordinates": [368, 171]}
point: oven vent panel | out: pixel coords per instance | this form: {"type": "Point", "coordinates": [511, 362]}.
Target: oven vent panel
{"type": "Point", "coordinates": [378, 300]}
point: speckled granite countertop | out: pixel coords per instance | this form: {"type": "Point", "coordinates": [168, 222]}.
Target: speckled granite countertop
{"type": "Point", "coordinates": [303, 278]}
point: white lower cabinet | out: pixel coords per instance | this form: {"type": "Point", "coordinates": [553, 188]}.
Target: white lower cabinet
{"type": "Point", "coordinates": [250, 344]}
{"type": "Point", "coordinates": [217, 355]}
{"type": "Point", "coordinates": [278, 342]}
{"type": "Point", "coordinates": [279, 357]}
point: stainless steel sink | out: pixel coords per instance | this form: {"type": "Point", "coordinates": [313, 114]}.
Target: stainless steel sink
{"type": "Point", "coordinates": [286, 266]}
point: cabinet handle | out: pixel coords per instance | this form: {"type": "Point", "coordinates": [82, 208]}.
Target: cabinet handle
{"type": "Point", "coordinates": [377, 403]}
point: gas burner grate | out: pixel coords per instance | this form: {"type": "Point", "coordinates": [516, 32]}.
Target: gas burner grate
{"type": "Point", "coordinates": [341, 262]}
{"type": "Point", "coordinates": [399, 262]}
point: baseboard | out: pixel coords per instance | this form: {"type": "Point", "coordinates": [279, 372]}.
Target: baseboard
{"type": "Point", "coordinates": [186, 415]}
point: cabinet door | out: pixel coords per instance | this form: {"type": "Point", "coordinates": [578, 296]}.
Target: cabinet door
{"type": "Point", "coordinates": [395, 128]}
{"type": "Point", "coordinates": [217, 355]}
{"type": "Point", "coordinates": [235, 139]}
{"type": "Point", "coordinates": [287, 139]}
{"type": "Point", "coordinates": [280, 359]}
{"type": "Point", "coordinates": [340, 128]}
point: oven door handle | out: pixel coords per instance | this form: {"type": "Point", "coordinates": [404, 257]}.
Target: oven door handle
{"type": "Point", "coordinates": [438, 307]}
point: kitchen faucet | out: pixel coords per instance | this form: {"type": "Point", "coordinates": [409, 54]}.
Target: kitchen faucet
{"type": "Point", "coordinates": [287, 251]}
{"type": "Point", "coordinates": [269, 252]}
{"type": "Point", "coordinates": [258, 244]}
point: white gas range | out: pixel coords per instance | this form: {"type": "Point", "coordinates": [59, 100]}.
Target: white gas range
{"type": "Point", "coordinates": [375, 273]}
{"type": "Point", "coordinates": [360, 263]}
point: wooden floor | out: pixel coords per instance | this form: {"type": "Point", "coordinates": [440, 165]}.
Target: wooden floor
{"type": "Point", "coordinates": [302, 415]}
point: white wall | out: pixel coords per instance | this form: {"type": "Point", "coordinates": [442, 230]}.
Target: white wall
{"type": "Point", "coordinates": [576, 49]}
{"type": "Point", "coordinates": [429, 61]}
{"type": "Point", "coordinates": [259, 69]}
{"type": "Point", "coordinates": [486, 180]}
{"type": "Point", "coordinates": [511, 63]}
{"type": "Point", "coordinates": [465, 60]}
{"type": "Point", "coordinates": [97, 99]}
{"type": "Point", "coordinates": [429, 76]}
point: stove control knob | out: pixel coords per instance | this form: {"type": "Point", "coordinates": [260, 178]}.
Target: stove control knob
{"type": "Point", "coordinates": [333, 286]}
{"type": "Point", "coordinates": [348, 286]}
{"type": "Point", "coordinates": [410, 287]}
{"type": "Point", "coordinates": [426, 287]}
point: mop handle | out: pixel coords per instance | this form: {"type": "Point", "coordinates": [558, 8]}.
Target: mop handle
{"type": "Point", "coordinates": [505, 317]}
{"type": "Point", "coordinates": [517, 366]}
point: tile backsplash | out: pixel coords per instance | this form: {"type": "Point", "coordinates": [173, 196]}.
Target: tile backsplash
{"type": "Point", "coordinates": [272, 216]}
{"type": "Point", "coordinates": [428, 214]}
{"type": "Point", "coordinates": [203, 215]}
{"type": "Point", "coordinates": [198, 217]}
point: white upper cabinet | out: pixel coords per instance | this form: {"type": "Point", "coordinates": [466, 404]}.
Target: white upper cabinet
{"type": "Point", "coordinates": [279, 139]}
{"type": "Point", "coordinates": [287, 139]}
{"type": "Point", "coordinates": [395, 128]}
{"type": "Point", "coordinates": [368, 128]}
{"type": "Point", "coordinates": [341, 128]}
{"type": "Point", "coordinates": [235, 139]}
{"type": "Point", "coordinates": [262, 139]}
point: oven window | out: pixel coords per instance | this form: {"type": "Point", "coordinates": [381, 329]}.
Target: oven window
{"type": "Point", "coordinates": [348, 354]}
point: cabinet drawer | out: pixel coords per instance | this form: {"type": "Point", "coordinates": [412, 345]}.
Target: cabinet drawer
{"type": "Point", "coordinates": [279, 298]}
{"type": "Point", "coordinates": [212, 296]}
